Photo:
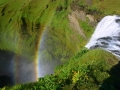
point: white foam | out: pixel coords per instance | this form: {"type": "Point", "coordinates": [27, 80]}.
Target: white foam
{"type": "Point", "coordinates": [107, 35]}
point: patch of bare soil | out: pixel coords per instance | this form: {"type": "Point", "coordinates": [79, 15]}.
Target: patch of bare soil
{"type": "Point", "coordinates": [78, 14]}
{"type": "Point", "coordinates": [74, 21]}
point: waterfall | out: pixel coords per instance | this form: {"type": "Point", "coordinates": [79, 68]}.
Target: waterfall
{"type": "Point", "coordinates": [107, 35]}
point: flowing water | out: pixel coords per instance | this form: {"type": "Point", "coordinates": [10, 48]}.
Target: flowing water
{"type": "Point", "coordinates": [107, 35]}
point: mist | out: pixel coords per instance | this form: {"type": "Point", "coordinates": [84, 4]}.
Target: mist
{"type": "Point", "coordinates": [17, 69]}
{"type": "Point", "coordinates": [25, 70]}
{"type": "Point", "coordinates": [47, 60]}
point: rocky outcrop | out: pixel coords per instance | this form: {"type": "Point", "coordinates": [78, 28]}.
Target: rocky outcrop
{"type": "Point", "coordinates": [74, 22]}
{"type": "Point", "coordinates": [79, 14]}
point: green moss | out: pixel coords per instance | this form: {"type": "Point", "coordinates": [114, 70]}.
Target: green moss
{"type": "Point", "coordinates": [86, 69]}
{"type": "Point", "coordinates": [59, 40]}
{"type": "Point", "coordinates": [111, 7]}
{"type": "Point", "coordinates": [88, 29]}
{"type": "Point", "coordinates": [22, 23]}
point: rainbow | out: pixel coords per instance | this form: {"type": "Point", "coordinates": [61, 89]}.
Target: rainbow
{"type": "Point", "coordinates": [37, 58]}
{"type": "Point", "coordinates": [28, 70]}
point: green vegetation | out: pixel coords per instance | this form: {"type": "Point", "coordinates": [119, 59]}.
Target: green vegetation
{"type": "Point", "coordinates": [84, 69]}
{"type": "Point", "coordinates": [88, 29]}
{"type": "Point", "coordinates": [59, 42]}
{"type": "Point", "coordinates": [85, 72]}
{"type": "Point", "coordinates": [111, 7]}
{"type": "Point", "coordinates": [22, 23]}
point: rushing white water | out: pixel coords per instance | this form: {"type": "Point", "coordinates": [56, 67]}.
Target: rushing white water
{"type": "Point", "coordinates": [107, 35]}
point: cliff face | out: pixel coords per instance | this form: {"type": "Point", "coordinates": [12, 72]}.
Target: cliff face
{"type": "Point", "coordinates": [40, 29]}
{"type": "Point", "coordinates": [22, 22]}
{"type": "Point", "coordinates": [21, 25]}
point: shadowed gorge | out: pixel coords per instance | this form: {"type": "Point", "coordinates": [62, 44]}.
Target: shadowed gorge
{"type": "Point", "coordinates": [42, 45]}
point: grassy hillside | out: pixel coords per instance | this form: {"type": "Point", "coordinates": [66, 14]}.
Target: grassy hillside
{"type": "Point", "coordinates": [88, 70]}
{"type": "Point", "coordinates": [84, 69]}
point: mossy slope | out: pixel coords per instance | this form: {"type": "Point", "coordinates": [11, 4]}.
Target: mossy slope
{"type": "Point", "coordinates": [92, 71]}
{"type": "Point", "coordinates": [22, 23]}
